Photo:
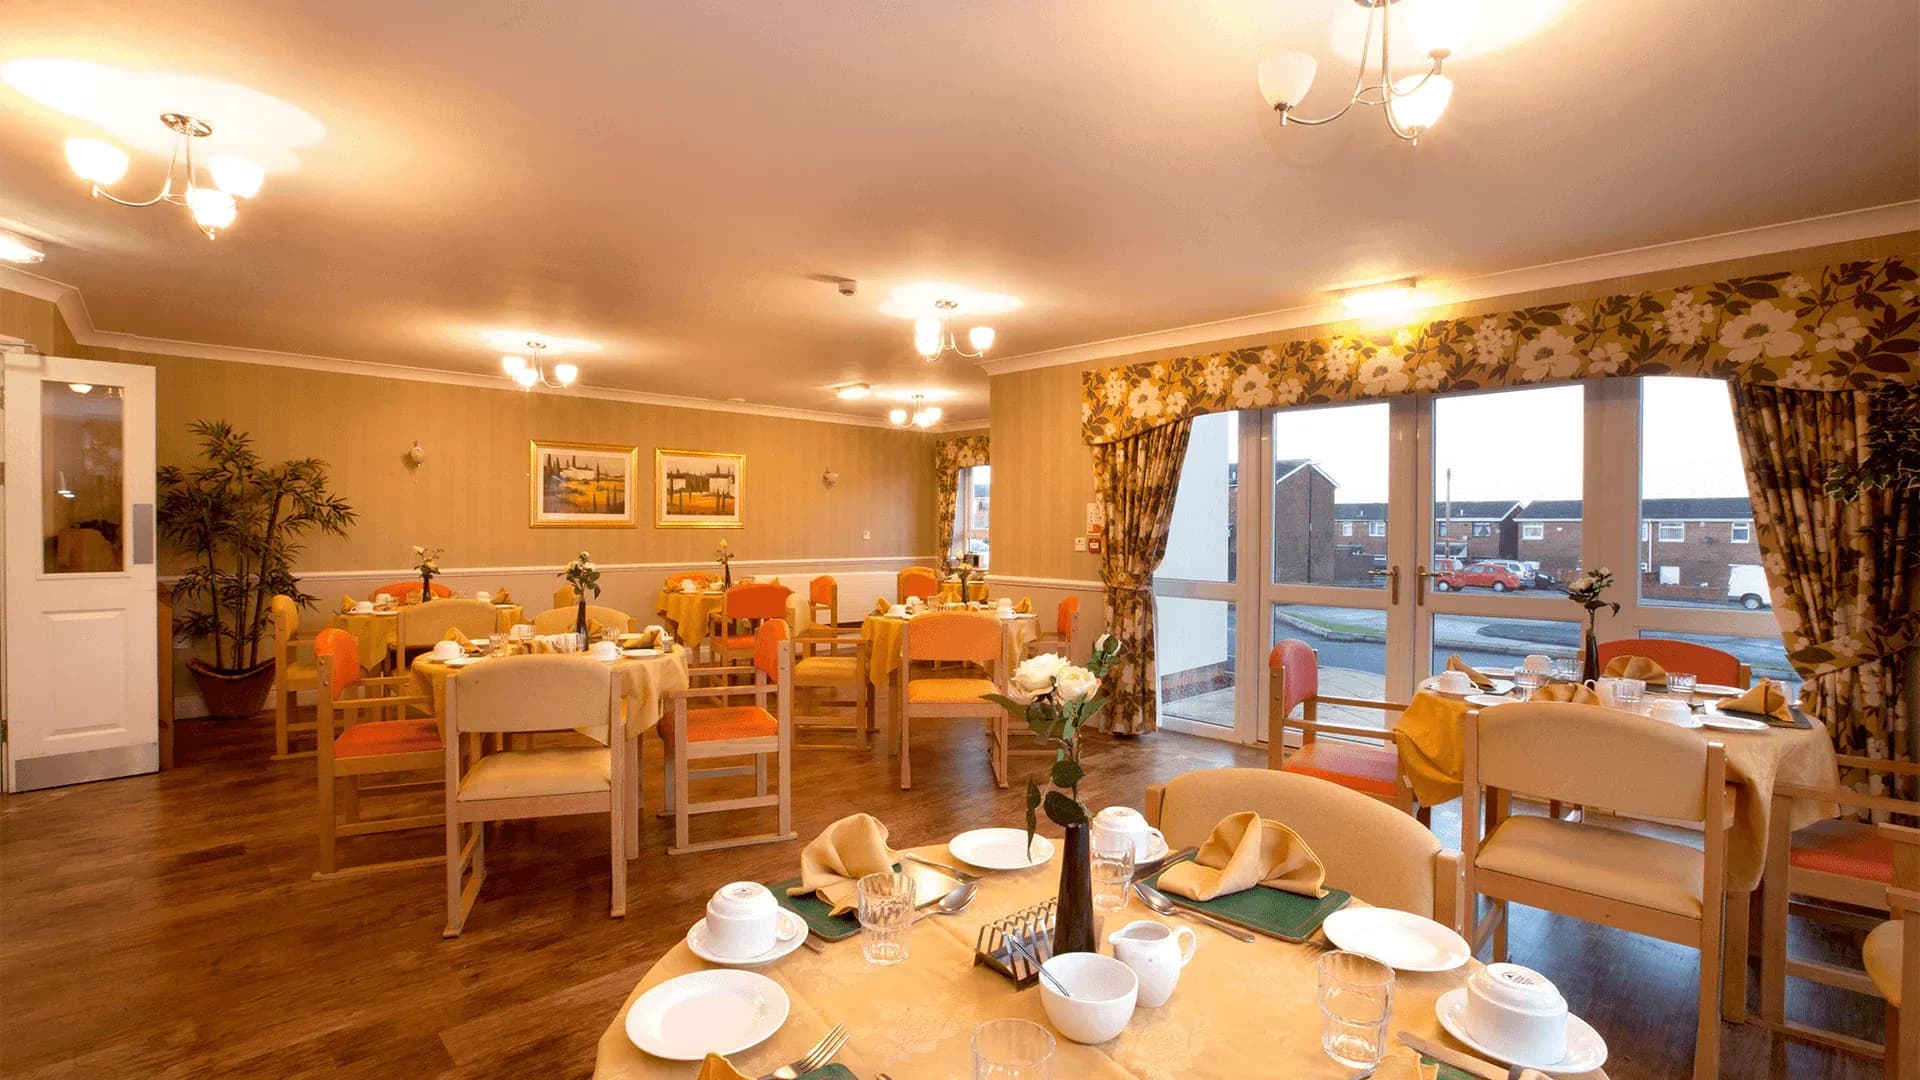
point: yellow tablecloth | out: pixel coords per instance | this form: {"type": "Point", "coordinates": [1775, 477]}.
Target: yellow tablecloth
{"type": "Point", "coordinates": [885, 633]}
{"type": "Point", "coordinates": [950, 591]}
{"type": "Point", "coordinates": [376, 633]}
{"type": "Point", "coordinates": [688, 611]}
{"type": "Point", "coordinates": [1241, 1010]}
{"type": "Point", "coordinates": [646, 679]}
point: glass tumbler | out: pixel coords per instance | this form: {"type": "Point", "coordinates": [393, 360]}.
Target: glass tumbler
{"type": "Point", "coordinates": [1566, 669]}
{"type": "Point", "coordinates": [1680, 686]}
{"type": "Point", "coordinates": [1628, 694]}
{"type": "Point", "coordinates": [886, 910]}
{"type": "Point", "coordinates": [1527, 682]}
{"type": "Point", "coordinates": [496, 644]}
{"type": "Point", "coordinates": [1356, 1004]}
{"type": "Point", "coordinates": [1012, 1050]}
{"type": "Point", "coordinates": [1112, 873]}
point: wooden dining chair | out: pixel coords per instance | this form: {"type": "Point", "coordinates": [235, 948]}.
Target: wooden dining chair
{"type": "Point", "coordinates": [1385, 858]}
{"type": "Point", "coordinates": [422, 625]}
{"type": "Point", "coordinates": [294, 673]}
{"type": "Point", "coordinates": [376, 738]}
{"type": "Point", "coordinates": [525, 694]}
{"type": "Point", "coordinates": [920, 581]}
{"type": "Point", "coordinates": [735, 728]}
{"type": "Point", "coordinates": [1066, 626]}
{"type": "Point", "coordinates": [562, 620]}
{"type": "Point", "coordinates": [823, 614]}
{"type": "Point", "coordinates": [1892, 956]}
{"type": "Point", "coordinates": [1589, 756]}
{"type": "Point", "coordinates": [1828, 863]}
{"type": "Point", "coordinates": [970, 638]}
{"type": "Point", "coordinates": [1704, 662]}
{"type": "Point", "coordinates": [408, 592]}
{"type": "Point", "coordinates": [833, 693]}
{"type": "Point", "coordinates": [565, 596]}
{"type": "Point", "coordinates": [749, 604]}
{"type": "Point", "coordinates": [1366, 760]}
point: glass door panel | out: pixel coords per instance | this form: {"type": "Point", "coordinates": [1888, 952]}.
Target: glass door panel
{"type": "Point", "coordinates": [1197, 661]}
{"type": "Point", "coordinates": [1506, 485]}
{"type": "Point", "coordinates": [1696, 543]}
{"type": "Point", "coordinates": [1329, 497]}
{"type": "Point", "coordinates": [1492, 641]}
{"type": "Point", "coordinates": [1198, 585]}
{"type": "Point", "coordinates": [1352, 645]}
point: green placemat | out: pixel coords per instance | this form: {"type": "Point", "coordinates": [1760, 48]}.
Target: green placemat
{"type": "Point", "coordinates": [1287, 916]}
{"type": "Point", "coordinates": [1800, 722]}
{"type": "Point", "coordinates": [1442, 1071]}
{"type": "Point", "coordinates": [837, 1071]}
{"type": "Point", "coordinates": [817, 913]}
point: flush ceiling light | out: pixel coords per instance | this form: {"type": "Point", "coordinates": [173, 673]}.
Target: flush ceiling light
{"type": "Point", "coordinates": [1388, 298]}
{"type": "Point", "coordinates": [16, 249]}
{"type": "Point", "coordinates": [80, 387]}
{"type": "Point", "coordinates": [1411, 105]}
{"type": "Point", "coordinates": [853, 391]}
{"type": "Point", "coordinates": [933, 306]}
{"type": "Point", "coordinates": [527, 373]}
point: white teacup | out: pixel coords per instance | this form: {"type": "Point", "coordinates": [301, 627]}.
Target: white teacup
{"type": "Point", "coordinates": [606, 650]}
{"type": "Point", "coordinates": [1006, 603]}
{"type": "Point", "coordinates": [898, 611]}
{"type": "Point", "coordinates": [1454, 682]}
{"type": "Point", "coordinates": [484, 595]}
{"type": "Point", "coordinates": [1156, 952]}
{"type": "Point", "coordinates": [1538, 662]}
{"type": "Point", "coordinates": [743, 919]}
{"type": "Point", "coordinates": [446, 650]}
{"type": "Point", "coordinates": [1672, 712]}
{"type": "Point", "coordinates": [383, 599]}
{"type": "Point", "coordinates": [1517, 1013]}
{"type": "Point", "coordinates": [1119, 825]}
{"type": "Point", "coordinates": [364, 607]}
{"type": "Point", "coordinates": [1604, 690]}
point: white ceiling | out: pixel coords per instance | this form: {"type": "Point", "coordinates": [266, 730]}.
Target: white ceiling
{"type": "Point", "coordinates": [670, 180]}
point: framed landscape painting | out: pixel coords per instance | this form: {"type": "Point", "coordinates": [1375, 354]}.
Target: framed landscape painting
{"type": "Point", "coordinates": [583, 484]}
{"type": "Point", "coordinates": [698, 488]}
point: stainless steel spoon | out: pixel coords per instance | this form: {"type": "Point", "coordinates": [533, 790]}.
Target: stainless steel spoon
{"type": "Point", "coordinates": [953, 903]}
{"type": "Point", "coordinates": [1158, 901]}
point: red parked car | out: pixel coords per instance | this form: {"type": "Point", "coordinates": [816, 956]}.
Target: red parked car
{"type": "Point", "coordinates": [1484, 575]}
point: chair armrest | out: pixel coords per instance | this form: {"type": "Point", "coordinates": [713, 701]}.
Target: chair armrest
{"type": "Point", "coordinates": [1362, 703]}
{"type": "Point", "coordinates": [1156, 798]}
{"type": "Point", "coordinates": [1318, 728]}
{"type": "Point", "coordinates": [1902, 768]}
{"type": "Point", "coordinates": [1904, 901]}
{"type": "Point", "coordinates": [1845, 797]}
{"type": "Point", "coordinates": [369, 704]}
{"type": "Point", "coordinates": [1900, 834]}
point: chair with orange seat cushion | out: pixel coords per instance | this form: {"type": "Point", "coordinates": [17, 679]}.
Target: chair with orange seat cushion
{"type": "Point", "coordinates": [823, 613]}
{"type": "Point", "coordinates": [1708, 664]}
{"type": "Point", "coordinates": [920, 581]}
{"type": "Point", "coordinates": [377, 737]}
{"type": "Point", "coordinates": [964, 637]}
{"type": "Point", "coordinates": [1066, 625]}
{"type": "Point", "coordinates": [751, 603]}
{"type": "Point", "coordinates": [735, 727]}
{"type": "Point", "coordinates": [1366, 760]}
{"type": "Point", "coordinates": [294, 673]}
{"type": "Point", "coordinates": [407, 592]}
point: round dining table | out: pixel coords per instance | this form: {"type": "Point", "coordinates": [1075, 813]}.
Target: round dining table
{"type": "Point", "coordinates": [377, 631]}
{"type": "Point", "coordinates": [687, 613]}
{"type": "Point", "coordinates": [1240, 1010]}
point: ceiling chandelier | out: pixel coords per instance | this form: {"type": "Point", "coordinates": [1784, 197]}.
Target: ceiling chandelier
{"type": "Point", "coordinates": [933, 335]}
{"type": "Point", "coordinates": [527, 373]}
{"type": "Point", "coordinates": [1411, 104]}
{"type": "Point", "coordinates": [923, 414]}
{"type": "Point", "coordinates": [103, 164]}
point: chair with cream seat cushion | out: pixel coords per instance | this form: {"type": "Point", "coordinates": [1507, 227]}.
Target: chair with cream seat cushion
{"type": "Point", "coordinates": [1892, 956]}
{"type": "Point", "coordinates": [295, 671]}
{"type": "Point", "coordinates": [832, 691]}
{"type": "Point", "coordinates": [970, 638]}
{"type": "Point", "coordinates": [734, 727]}
{"type": "Point", "coordinates": [1590, 756]}
{"type": "Point", "coordinates": [1378, 854]}
{"type": "Point", "coordinates": [377, 738]}
{"type": "Point", "coordinates": [562, 620]}
{"type": "Point", "coordinates": [423, 625]}
{"type": "Point", "coordinates": [525, 694]}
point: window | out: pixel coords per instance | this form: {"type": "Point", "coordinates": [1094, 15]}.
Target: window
{"type": "Point", "coordinates": [1376, 528]}
{"type": "Point", "coordinates": [970, 511]}
{"type": "Point", "coordinates": [1493, 452]}
{"type": "Point", "coordinates": [1481, 528]}
{"type": "Point", "coordinates": [1672, 531]}
{"type": "Point", "coordinates": [1690, 472]}
{"type": "Point", "coordinates": [1669, 575]}
{"type": "Point", "coordinates": [1200, 538]}
{"type": "Point", "coordinates": [1328, 464]}
{"type": "Point", "coordinates": [1740, 532]}
{"type": "Point", "coordinates": [1346, 528]}
{"type": "Point", "coordinates": [1533, 530]}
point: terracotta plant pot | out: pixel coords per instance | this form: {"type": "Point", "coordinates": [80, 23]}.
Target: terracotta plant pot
{"type": "Point", "coordinates": [232, 695]}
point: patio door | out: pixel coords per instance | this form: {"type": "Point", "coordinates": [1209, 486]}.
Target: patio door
{"type": "Point", "coordinates": [81, 686]}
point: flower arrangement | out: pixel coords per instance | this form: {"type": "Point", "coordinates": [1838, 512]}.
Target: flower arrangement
{"type": "Point", "coordinates": [724, 556]}
{"type": "Point", "coordinates": [1057, 699]}
{"type": "Point", "coordinates": [583, 576]}
{"type": "Point", "coordinates": [428, 567]}
{"type": "Point", "coordinates": [1586, 591]}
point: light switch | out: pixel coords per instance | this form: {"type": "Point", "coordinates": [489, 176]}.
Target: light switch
{"type": "Point", "coordinates": [1079, 543]}
{"type": "Point", "coordinates": [866, 534]}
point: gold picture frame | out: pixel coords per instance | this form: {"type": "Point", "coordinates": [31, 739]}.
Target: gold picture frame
{"type": "Point", "coordinates": [581, 485]}
{"type": "Point", "coordinates": [698, 489]}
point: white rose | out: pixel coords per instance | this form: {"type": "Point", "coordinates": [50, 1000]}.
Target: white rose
{"type": "Point", "coordinates": [1035, 675]}
{"type": "Point", "coordinates": [1076, 684]}
{"type": "Point", "coordinates": [1604, 572]}
{"type": "Point", "coordinates": [1103, 643]}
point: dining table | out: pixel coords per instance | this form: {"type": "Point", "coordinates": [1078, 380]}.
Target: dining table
{"type": "Point", "coordinates": [1241, 1009]}
{"type": "Point", "coordinates": [886, 635]}
{"type": "Point", "coordinates": [376, 632]}
{"type": "Point", "coordinates": [950, 590]}
{"type": "Point", "coordinates": [688, 613]}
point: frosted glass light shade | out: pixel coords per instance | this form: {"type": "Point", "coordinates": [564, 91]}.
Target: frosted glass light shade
{"type": "Point", "coordinates": [1420, 109]}
{"type": "Point", "coordinates": [980, 338]}
{"type": "Point", "coordinates": [237, 176]}
{"type": "Point", "coordinates": [926, 337]}
{"type": "Point", "coordinates": [512, 364]}
{"type": "Point", "coordinates": [1441, 26]}
{"type": "Point", "coordinates": [526, 376]}
{"type": "Point", "coordinates": [1286, 77]}
{"type": "Point", "coordinates": [897, 417]}
{"type": "Point", "coordinates": [566, 373]}
{"type": "Point", "coordinates": [95, 161]}
{"type": "Point", "coordinates": [211, 207]}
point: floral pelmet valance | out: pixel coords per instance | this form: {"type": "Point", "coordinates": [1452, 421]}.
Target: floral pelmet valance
{"type": "Point", "coordinates": [960, 452]}
{"type": "Point", "coordinates": [1845, 326]}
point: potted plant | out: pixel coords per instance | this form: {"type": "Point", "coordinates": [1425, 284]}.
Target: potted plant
{"type": "Point", "coordinates": [241, 522]}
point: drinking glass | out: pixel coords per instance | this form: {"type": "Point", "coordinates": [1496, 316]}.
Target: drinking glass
{"type": "Point", "coordinates": [1680, 686]}
{"type": "Point", "coordinates": [610, 633]}
{"type": "Point", "coordinates": [886, 910]}
{"type": "Point", "coordinates": [1356, 1002]}
{"type": "Point", "coordinates": [496, 643]}
{"type": "Point", "coordinates": [1012, 1050]}
{"type": "Point", "coordinates": [1527, 682]}
{"type": "Point", "coordinates": [1566, 669]}
{"type": "Point", "coordinates": [1627, 694]}
{"type": "Point", "coordinates": [1112, 873]}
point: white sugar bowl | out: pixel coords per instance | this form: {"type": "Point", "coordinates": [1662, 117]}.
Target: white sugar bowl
{"type": "Point", "coordinates": [1517, 1013]}
{"type": "Point", "coordinates": [743, 919]}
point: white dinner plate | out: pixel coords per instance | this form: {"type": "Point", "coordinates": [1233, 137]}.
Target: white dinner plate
{"type": "Point", "coordinates": [1712, 717]}
{"type": "Point", "coordinates": [719, 1012]}
{"type": "Point", "coordinates": [1717, 689]}
{"type": "Point", "coordinates": [1432, 682]}
{"type": "Point", "coordinates": [389, 611]}
{"type": "Point", "coordinates": [1000, 849]}
{"type": "Point", "coordinates": [1399, 939]}
{"type": "Point", "coordinates": [1497, 672]}
{"type": "Point", "coordinates": [1586, 1050]}
{"type": "Point", "coordinates": [463, 661]}
{"type": "Point", "coordinates": [1485, 700]}
{"type": "Point", "coordinates": [640, 653]}
{"type": "Point", "coordinates": [790, 925]}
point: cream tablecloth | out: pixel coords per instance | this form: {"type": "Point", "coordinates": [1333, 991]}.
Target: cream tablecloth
{"type": "Point", "coordinates": [1241, 1010]}
{"type": "Point", "coordinates": [377, 632]}
{"type": "Point", "coordinates": [950, 591]}
{"type": "Point", "coordinates": [646, 679]}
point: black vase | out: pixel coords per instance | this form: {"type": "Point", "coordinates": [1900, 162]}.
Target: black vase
{"type": "Point", "coordinates": [426, 587]}
{"type": "Point", "coordinates": [1590, 661]}
{"type": "Point", "coordinates": [1073, 918]}
{"type": "Point", "coordinates": [726, 573]}
{"type": "Point", "coordinates": [580, 617]}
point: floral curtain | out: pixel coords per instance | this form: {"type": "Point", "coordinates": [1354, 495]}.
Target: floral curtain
{"type": "Point", "coordinates": [1839, 571]}
{"type": "Point", "coordinates": [1136, 479]}
{"type": "Point", "coordinates": [1838, 327]}
{"type": "Point", "coordinates": [949, 457]}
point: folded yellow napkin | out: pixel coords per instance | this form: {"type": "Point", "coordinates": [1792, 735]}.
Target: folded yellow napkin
{"type": "Point", "coordinates": [454, 633]}
{"type": "Point", "coordinates": [646, 639]}
{"type": "Point", "coordinates": [1768, 698]}
{"type": "Point", "coordinates": [595, 630]}
{"type": "Point", "coordinates": [346, 604]}
{"type": "Point", "coordinates": [1245, 850]}
{"type": "Point", "coordinates": [1025, 606]}
{"type": "Point", "coordinates": [1454, 663]}
{"type": "Point", "coordinates": [1636, 667]}
{"type": "Point", "coordinates": [719, 1068]}
{"type": "Point", "coordinates": [503, 597]}
{"type": "Point", "coordinates": [539, 647]}
{"type": "Point", "coordinates": [881, 606]}
{"type": "Point", "coordinates": [1566, 691]}
{"type": "Point", "coordinates": [843, 853]}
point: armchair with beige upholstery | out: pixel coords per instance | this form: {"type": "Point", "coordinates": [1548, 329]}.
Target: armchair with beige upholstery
{"type": "Point", "coordinates": [1381, 856]}
{"type": "Point", "coordinates": [1590, 756]}
{"type": "Point", "coordinates": [294, 672]}
{"type": "Point", "coordinates": [421, 625]}
{"type": "Point", "coordinates": [562, 620]}
{"type": "Point", "coordinates": [523, 694]}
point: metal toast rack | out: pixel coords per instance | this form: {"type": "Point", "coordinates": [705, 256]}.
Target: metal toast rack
{"type": "Point", "coordinates": [1032, 928]}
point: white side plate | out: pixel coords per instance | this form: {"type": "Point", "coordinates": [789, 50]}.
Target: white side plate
{"type": "Point", "coordinates": [1000, 849]}
{"type": "Point", "coordinates": [1399, 939]}
{"type": "Point", "coordinates": [1714, 718]}
{"type": "Point", "coordinates": [1586, 1050]}
{"type": "Point", "coordinates": [719, 1012]}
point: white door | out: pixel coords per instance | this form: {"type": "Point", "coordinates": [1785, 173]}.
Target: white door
{"type": "Point", "coordinates": [82, 681]}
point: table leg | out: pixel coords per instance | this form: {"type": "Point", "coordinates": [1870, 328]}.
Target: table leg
{"type": "Point", "coordinates": [630, 787]}
{"type": "Point", "coordinates": [1733, 956]}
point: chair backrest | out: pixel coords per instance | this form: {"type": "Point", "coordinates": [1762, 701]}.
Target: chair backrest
{"type": "Point", "coordinates": [532, 693]}
{"type": "Point", "coordinates": [1295, 668]}
{"type": "Point", "coordinates": [424, 624]}
{"type": "Point", "coordinates": [972, 636]}
{"type": "Point", "coordinates": [564, 596]}
{"type": "Point", "coordinates": [562, 620]}
{"type": "Point", "coordinates": [337, 655]}
{"type": "Point", "coordinates": [1066, 619]}
{"type": "Point", "coordinates": [1594, 756]}
{"type": "Point", "coordinates": [1379, 854]}
{"type": "Point", "coordinates": [1705, 661]}
{"type": "Point", "coordinates": [703, 577]}
{"type": "Point", "coordinates": [920, 581]}
{"type": "Point", "coordinates": [825, 592]}
{"type": "Point", "coordinates": [766, 648]}
{"type": "Point", "coordinates": [401, 590]}
{"type": "Point", "coordinates": [758, 600]}
{"type": "Point", "coordinates": [286, 618]}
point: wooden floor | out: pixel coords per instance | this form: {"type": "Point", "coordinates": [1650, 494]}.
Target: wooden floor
{"type": "Point", "coordinates": [167, 925]}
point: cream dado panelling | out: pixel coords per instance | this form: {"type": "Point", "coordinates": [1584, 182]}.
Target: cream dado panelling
{"type": "Point", "coordinates": [471, 494]}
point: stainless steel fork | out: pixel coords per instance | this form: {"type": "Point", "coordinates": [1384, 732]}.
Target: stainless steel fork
{"type": "Point", "coordinates": [822, 1052]}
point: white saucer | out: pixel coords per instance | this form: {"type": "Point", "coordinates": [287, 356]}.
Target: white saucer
{"type": "Point", "coordinates": [719, 1012]}
{"type": "Point", "coordinates": [640, 653]}
{"type": "Point", "coordinates": [1717, 689]}
{"type": "Point", "coordinates": [1000, 849]}
{"type": "Point", "coordinates": [1489, 700]}
{"type": "Point", "coordinates": [1432, 682]}
{"type": "Point", "coordinates": [1399, 939]}
{"type": "Point", "coordinates": [1497, 672]}
{"type": "Point", "coordinates": [1586, 1050]}
{"type": "Point", "coordinates": [1712, 717]}
{"type": "Point", "coordinates": [789, 922]}
{"type": "Point", "coordinates": [463, 661]}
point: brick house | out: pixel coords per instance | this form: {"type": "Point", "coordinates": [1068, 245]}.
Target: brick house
{"type": "Point", "coordinates": [1477, 529]}
{"type": "Point", "coordinates": [1686, 545]}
